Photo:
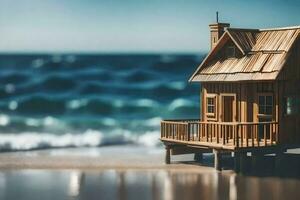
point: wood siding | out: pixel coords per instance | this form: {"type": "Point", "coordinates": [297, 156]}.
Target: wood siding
{"type": "Point", "coordinates": [246, 100]}
{"type": "Point", "coordinates": [289, 85]}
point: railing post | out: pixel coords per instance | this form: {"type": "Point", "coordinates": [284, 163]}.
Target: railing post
{"type": "Point", "coordinates": [206, 131]}
{"type": "Point", "coordinates": [271, 133]}
{"type": "Point", "coordinates": [242, 135]}
{"type": "Point", "coordinates": [252, 134]}
{"type": "Point", "coordinates": [233, 134]}
{"type": "Point", "coordinates": [218, 134]}
{"type": "Point", "coordinates": [211, 132]}
{"type": "Point", "coordinates": [257, 135]}
{"type": "Point", "coordinates": [161, 129]}
{"type": "Point", "coordinates": [277, 130]}
{"type": "Point", "coordinates": [167, 130]}
{"type": "Point", "coordinates": [223, 134]}
{"type": "Point", "coordinates": [188, 128]}
{"type": "Point", "coordinates": [200, 131]}
{"type": "Point", "coordinates": [265, 134]}
{"type": "Point", "coordinates": [237, 136]}
{"type": "Point", "coordinates": [247, 136]}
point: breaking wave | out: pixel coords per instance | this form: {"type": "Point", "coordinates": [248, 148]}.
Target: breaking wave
{"type": "Point", "coordinates": [49, 101]}
{"type": "Point", "coordinates": [90, 138]}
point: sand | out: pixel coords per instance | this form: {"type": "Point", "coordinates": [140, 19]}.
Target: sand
{"type": "Point", "coordinates": [99, 158]}
{"type": "Point", "coordinates": [128, 172]}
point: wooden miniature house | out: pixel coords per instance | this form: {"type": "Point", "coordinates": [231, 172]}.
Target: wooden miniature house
{"type": "Point", "coordinates": [250, 94]}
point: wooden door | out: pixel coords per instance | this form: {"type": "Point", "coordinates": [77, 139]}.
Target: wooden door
{"type": "Point", "coordinates": [228, 108]}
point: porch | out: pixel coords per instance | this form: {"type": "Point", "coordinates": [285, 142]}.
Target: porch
{"type": "Point", "coordinates": [220, 135]}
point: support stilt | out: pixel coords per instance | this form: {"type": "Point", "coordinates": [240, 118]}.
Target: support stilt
{"type": "Point", "coordinates": [237, 162]}
{"type": "Point", "coordinates": [279, 161]}
{"type": "Point", "coordinates": [218, 160]}
{"type": "Point", "coordinates": [243, 162]}
{"type": "Point", "coordinates": [198, 157]}
{"type": "Point", "coordinates": [256, 162]}
{"type": "Point", "coordinates": [168, 155]}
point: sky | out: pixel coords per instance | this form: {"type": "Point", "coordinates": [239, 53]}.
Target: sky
{"type": "Point", "coordinates": [131, 26]}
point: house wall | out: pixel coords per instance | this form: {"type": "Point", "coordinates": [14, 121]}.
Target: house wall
{"type": "Point", "coordinates": [246, 99]}
{"type": "Point", "coordinates": [246, 103]}
{"type": "Point", "coordinates": [286, 85]}
{"type": "Point", "coordinates": [289, 85]}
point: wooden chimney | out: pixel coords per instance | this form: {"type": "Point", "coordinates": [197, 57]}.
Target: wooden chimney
{"type": "Point", "coordinates": [216, 31]}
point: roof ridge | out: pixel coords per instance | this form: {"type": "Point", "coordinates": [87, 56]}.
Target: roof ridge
{"type": "Point", "coordinates": [264, 29]}
{"type": "Point", "coordinates": [280, 28]}
{"type": "Point", "coordinates": [242, 29]}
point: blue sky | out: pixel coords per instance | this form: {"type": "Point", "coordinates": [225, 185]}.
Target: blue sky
{"type": "Point", "coordinates": [130, 25]}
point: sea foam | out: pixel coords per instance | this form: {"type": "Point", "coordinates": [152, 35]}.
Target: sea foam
{"type": "Point", "coordinates": [26, 141]}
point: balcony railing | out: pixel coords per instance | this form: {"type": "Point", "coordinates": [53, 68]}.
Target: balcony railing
{"type": "Point", "coordinates": [220, 134]}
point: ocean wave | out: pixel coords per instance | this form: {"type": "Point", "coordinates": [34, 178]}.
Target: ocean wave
{"type": "Point", "coordinates": [92, 88]}
{"type": "Point", "coordinates": [125, 94]}
{"type": "Point", "coordinates": [41, 105]}
{"type": "Point", "coordinates": [139, 76]}
{"type": "Point", "coordinates": [76, 103]}
{"type": "Point", "coordinates": [94, 75]}
{"type": "Point", "coordinates": [93, 106]}
{"type": "Point", "coordinates": [89, 138]}
{"type": "Point", "coordinates": [153, 122]}
{"type": "Point", "coordinates": [57, 83]}
{"type": "Point", "coordinates": [45, 105]}
{"type": "Point", "coordinates": [26, 141]}
{"type": "Point", "coordinates": [146, 103]}
{"type": "Point", "coordinates": [4, 120]}
{"type": "Point", "coordinates": [175, 64]}
{"type": "Point", "coordinates": [14, 78]}
{"type": "Point", "coordinates": [150, 138]}
{"type": "Point", "coordinates": [181, 103]}
{"type": "Point", "coordinates": [97, 106]}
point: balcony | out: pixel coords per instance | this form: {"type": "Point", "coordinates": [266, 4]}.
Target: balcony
{"type": "Point", "coordinates": [222, 135]}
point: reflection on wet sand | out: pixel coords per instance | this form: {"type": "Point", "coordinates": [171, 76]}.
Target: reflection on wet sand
{"type": "Point", "coordinates": [76, 181]}
{"type": "Point", "coordinates": [137, 184]}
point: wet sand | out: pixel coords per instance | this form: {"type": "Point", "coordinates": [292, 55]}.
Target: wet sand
{"type": "Point", "coordinates": [129, 173]}
{"type": "Point", "coordinates": [110, 157]}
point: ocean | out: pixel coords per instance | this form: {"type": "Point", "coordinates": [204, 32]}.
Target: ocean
{"type": "Point", "coordinates": [49, 101]}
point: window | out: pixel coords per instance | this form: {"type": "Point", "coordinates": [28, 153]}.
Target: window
{"type": "Point", "coordinates": [265, 103]}
{"type": "Point", "coordinates": [230, 52]}
{"type": "Point", "coordinates": [211, 105]}
{"type": "Point", "coordinates": [292, 105]}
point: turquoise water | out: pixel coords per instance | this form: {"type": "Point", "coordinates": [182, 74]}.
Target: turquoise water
{"type": "Point", "coordinates": [92, 100]}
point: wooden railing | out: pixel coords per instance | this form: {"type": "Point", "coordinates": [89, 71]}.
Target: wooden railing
{"type": "Point", "coordinates": [236, 134]}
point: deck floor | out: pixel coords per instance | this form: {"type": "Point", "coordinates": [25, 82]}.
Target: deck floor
{"type": "Point", "coordinates": [212, 143]}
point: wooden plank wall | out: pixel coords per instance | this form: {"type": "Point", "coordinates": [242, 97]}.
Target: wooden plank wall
{"type": "Point", "coordinates": [247, 104]}
{"type": "Point", "coordinates": [289, 85]}
{"type": "Point", "coordinates": [246, 98]}
{"type": "Point", "coordinates": [217, 88]}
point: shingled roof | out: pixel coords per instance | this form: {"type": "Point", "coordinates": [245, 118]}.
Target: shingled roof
{"type": "Point", "coordinates": [264, 53]}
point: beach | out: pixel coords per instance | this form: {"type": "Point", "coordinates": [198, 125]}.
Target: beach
{"type": "Point", "coordinates": [94, 158]}
{"type": "Point", "coordinates": [128, 172]}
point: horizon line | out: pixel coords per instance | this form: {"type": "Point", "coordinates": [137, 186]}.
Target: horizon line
{"type": "Point", "coordinates": [102, 52]}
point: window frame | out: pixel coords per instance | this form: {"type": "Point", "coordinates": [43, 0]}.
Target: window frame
{"type": "Point", "coordinates": [233, 51]}
{"type": "Point", "coordinates": [286, 106]}
{"type": "Point", "coordinates": [264, 114]}
{"type": "Point", "coordinates": [211, 115]}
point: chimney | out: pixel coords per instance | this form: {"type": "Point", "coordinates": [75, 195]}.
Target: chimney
{"type": "Point", "coordinates": [216, 31]}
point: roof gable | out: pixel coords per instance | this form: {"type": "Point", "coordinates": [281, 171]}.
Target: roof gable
{"type": "Point", "coordinates": [264, 54]}
{"type": "Point", "coordinates": [245, 38]}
